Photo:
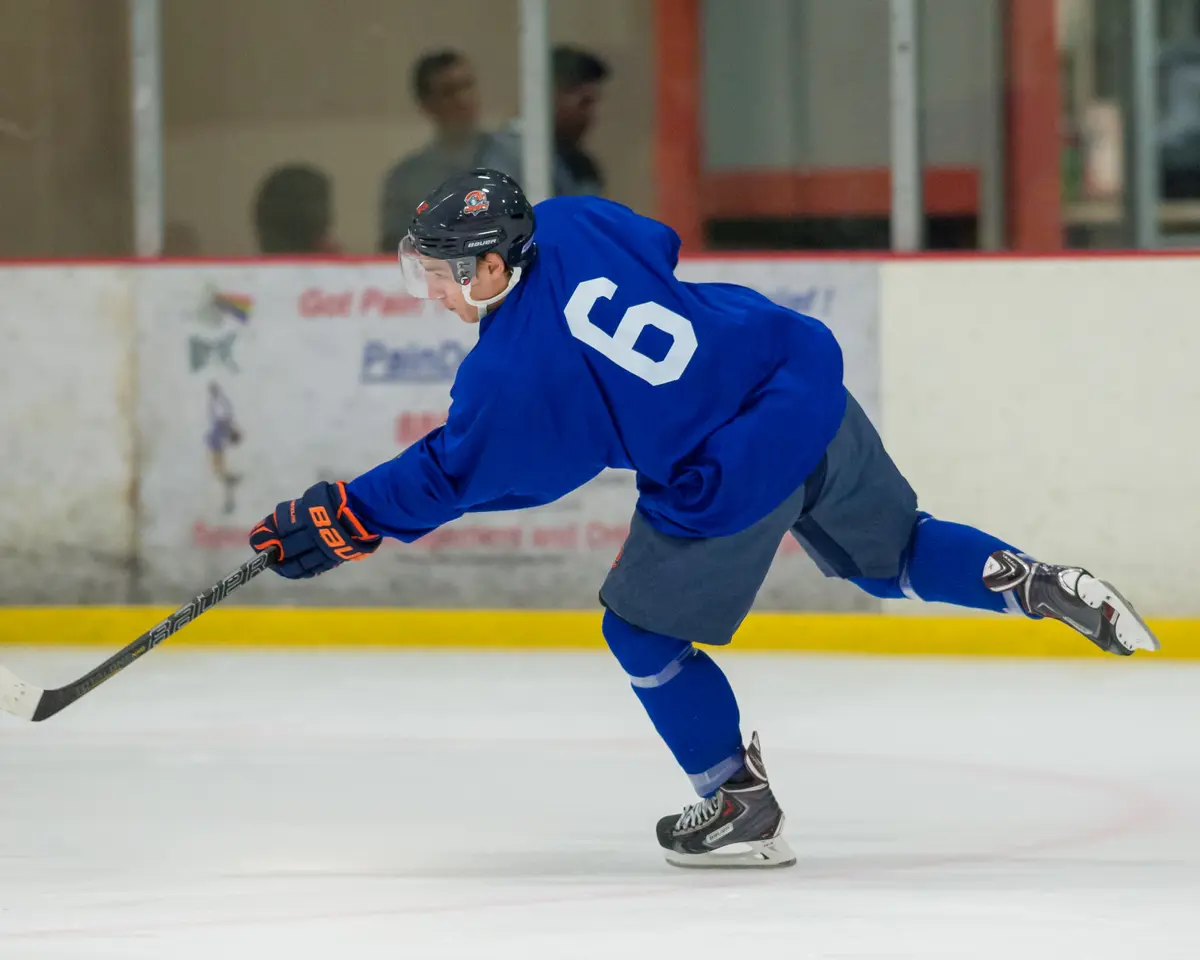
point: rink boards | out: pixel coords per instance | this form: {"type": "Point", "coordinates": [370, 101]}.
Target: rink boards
{"type": "Point", "coordinates": [356, 628]}
{"type": "Point", "coordinates": [1052, 402]}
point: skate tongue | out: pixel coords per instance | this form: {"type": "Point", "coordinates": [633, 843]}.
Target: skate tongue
{"type": "Point", "coordinates": [753, 768]}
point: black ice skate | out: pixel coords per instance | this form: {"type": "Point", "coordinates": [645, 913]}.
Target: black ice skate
{"type": "Point", "coordinates": [1074, 596]}
{"type": "Point", "coordinates": [739, 826]}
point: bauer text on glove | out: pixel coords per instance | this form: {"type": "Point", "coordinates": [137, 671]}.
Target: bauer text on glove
{"type": "Point", "coordinates": [314, 533]}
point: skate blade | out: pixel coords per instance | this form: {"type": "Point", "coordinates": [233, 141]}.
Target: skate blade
{"type": "Point", "coordinates": [1131, 630]}
{"type": "Point", "coordinates": [753, 854]}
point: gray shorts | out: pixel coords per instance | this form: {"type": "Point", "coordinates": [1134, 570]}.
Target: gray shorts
{"type": "Point", "coordinates": [854, 516]}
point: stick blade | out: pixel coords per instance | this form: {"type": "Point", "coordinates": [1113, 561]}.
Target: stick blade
{"type": "Point", "coordinates": [17, 697]}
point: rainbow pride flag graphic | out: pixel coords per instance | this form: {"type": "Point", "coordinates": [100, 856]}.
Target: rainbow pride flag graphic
{"type": "Point", "coordinates": [236, 306]}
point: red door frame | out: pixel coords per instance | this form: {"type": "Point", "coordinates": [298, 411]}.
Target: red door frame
{"type": "Point", "coordinates": [1033, 141]}
{"type": "Point", "coordinates": [678, 138]}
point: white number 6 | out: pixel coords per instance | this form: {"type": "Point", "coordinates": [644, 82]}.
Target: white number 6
{"type": "Point", "coordinates": [619, 346]}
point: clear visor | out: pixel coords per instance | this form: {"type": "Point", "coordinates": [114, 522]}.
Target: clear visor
{"type": "Point", "coordinates": [428, 278]}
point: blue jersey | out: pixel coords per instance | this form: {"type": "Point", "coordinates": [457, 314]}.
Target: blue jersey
{"type": "Point", "coordinates": [721, 400]}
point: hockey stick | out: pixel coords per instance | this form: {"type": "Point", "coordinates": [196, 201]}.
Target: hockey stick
{"type": "Point", "coordinates": [28, 702]}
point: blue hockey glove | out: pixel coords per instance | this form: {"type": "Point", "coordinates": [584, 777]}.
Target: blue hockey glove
{"type": "Point", "coordinates": [313, 534]}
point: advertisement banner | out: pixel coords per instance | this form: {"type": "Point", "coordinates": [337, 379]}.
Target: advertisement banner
{"type": "Point", "coordinates": [258, 380]}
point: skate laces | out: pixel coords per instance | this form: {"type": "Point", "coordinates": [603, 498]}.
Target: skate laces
{"type": "Point", "coordinates": [699, 813]}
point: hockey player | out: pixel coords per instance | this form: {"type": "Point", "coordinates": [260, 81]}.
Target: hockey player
{"type": "Point", "coordinates": [731, 411]}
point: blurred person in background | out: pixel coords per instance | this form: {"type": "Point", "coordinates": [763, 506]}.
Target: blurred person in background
{"type": "Point", "coordinates": [293, 211]}
{"type": "Point", "coordinates": [578, 82]}
{"type": "Point", "coordinates": [445, 89]}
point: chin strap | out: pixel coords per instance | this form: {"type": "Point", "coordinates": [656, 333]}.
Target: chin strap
{"type": "Point", "coordinates": [482, 305]}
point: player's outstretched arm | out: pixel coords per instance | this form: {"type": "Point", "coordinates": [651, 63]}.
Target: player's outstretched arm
{"type": "Point", "coordinates": [487, 456]}
{"type": "Point", "coordinates": [314, 533]}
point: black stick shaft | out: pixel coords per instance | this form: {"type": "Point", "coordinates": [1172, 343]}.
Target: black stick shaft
{"type": "Point", "coordinates": [52, 701]}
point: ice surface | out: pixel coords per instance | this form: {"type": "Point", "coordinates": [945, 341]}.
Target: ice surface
{"type": "Point", "coordinates": [491, 806]}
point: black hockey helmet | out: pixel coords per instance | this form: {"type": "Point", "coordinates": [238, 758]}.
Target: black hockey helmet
{"type": "Point", "coordinates": [483, 211]}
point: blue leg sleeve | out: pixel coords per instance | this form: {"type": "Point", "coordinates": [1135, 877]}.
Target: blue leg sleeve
{"type": "Point", "coordinates": [944, 563]}
{"type": "Point", "coordinates": [688, 698]}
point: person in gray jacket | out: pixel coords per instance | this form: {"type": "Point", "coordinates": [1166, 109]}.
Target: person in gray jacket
{"type": "Point", "coordinates": [578, 80]}
{"type": "Point", "coordinates": [444, 86]}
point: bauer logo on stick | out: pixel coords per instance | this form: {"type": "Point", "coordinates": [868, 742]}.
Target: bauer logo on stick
{"type": "Point", "coordinates": [476, 202]}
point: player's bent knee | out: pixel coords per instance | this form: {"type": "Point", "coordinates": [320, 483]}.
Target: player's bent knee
{"type": "Point", "coordinates": [650, 659]}
{"type": "Point", "coordinates": [896, 587]}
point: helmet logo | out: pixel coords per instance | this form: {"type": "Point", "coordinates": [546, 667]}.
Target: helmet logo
{"type": "Point", "coordinates": [475, 202]}
{"type": "Point", "coordinates": [422, 206]}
